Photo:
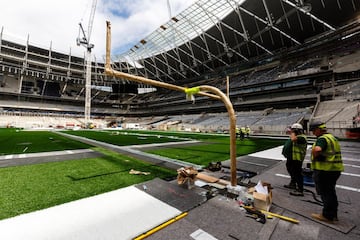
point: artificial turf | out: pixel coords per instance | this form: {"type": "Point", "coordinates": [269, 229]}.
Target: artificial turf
{"type": "Point", "coordinates": [213, 147]}
{"type": "Point", "coordinates": [17, 141]}
{"type": "Point", "coordinates": [33, 187]}
{"type": "Point", "coordinates": [125, 138]}
{"type": "Point", "coordinates": [214, 150]}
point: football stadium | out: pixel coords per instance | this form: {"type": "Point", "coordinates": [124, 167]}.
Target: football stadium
{"type": "Point", "coordinates": [182, 136]}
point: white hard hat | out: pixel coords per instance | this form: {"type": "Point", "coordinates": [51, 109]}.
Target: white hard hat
{"type": "Point", "coordinates": [297, 126]}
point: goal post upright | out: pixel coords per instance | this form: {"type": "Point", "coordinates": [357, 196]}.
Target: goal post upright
{"type": "Point", "coordinates": [203, 90]}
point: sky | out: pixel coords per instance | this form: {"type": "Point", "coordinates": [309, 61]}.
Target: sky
{"type": "Point", "coordinates": [56, 23]}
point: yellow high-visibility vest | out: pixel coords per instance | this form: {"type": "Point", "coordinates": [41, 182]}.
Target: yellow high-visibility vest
{"type": "Point", "coordinates": [333, 160]}
{"type": "Point", "coordinates": [299, 150]}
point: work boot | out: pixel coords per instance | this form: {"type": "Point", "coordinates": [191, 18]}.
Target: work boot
{"type": "Point", "coordinates": [320, 217]}
{"type": "Point", "coordinates": [290, 186]}
{"type": "Point", "coordinates": [297, 192]}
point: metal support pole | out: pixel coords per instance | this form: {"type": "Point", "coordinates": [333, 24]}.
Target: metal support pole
{"type": "Point", "coordinates": [88, 88]}
{"type": "Point", "coordinates": [227, 87]}
{"type": "Point", "coordinates": [216, 94]}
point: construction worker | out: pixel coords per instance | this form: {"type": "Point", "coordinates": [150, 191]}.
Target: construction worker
{"type": "Point", "coordinates": [237, 131]}
{"type": "Point", "coordinates": [326, 162]}
{"type": "Point", "coordinates": [295, 150]}
{"type": "Point", "coordinates": [242, 133]}
{"type": "Point", "coordinates": [247, 131]}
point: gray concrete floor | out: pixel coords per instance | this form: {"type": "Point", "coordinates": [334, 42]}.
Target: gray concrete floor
{"type": "Point", "coordinates": [222, 218]}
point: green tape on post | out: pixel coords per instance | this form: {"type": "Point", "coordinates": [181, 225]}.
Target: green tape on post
{"type": "Point", "coordinates": [190, 93]}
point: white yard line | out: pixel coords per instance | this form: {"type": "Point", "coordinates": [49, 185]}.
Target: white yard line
{"type": "Point", "coordinates": [337, 186]}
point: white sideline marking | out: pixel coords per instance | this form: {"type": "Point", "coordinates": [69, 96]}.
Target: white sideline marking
{"type": "Point", "coordinates": [343, 173]}
{"type": "Point", "coordinates": [352, 165]}
{"type": "Point", "coordinates": [338, 186]}
{"type": "Point", "coordinates": [282, 175]}
{"type": "Point", "coordinates": [350, 174]}
{"type": "Point", "coordinates": [257, 164]}
{"type": "Point", "coordinates": [348, 188]}
{"type": "Point", "coordinates": [350, 159]}
{"type": "Point", "coordinates": [202, 235]}
{"type": "Point", "coordinates": [45, 154]}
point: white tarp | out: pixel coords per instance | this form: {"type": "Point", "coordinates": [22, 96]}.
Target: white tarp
{"type": "Point", "coordinates": [121, 214]}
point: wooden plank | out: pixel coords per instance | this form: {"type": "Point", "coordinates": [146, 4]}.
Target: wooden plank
{"type": "Point", "coordinates": [206, 178]}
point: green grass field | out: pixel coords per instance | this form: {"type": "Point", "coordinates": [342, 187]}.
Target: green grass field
{"type": "Point", "coordinates": [126, 138]}
{"type": "Point", "coordinates": [15, 141]}
{"type": "Point", "coordinates": [213, 147]}
{"type": "Point", "coordinates": [215, 150]}
{"type": "Point", "coordinates": [33, 187]}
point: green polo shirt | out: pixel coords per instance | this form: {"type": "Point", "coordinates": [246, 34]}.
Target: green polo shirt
{"type": "Point", "coordinates": [287, 149]}
{"type": "Point", "coordinates": [321, 142]}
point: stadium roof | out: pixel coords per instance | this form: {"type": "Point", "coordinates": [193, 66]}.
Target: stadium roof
{"type": "Point", "coordinates": [215, 34]}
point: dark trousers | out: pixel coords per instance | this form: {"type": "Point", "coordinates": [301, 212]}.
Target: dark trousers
{"type": "Point", "coordinates": [242, 135]}
{"type": "Point", "coordinates": [325, 182]}
{"type": "Point", "coordinates": [294, 168]}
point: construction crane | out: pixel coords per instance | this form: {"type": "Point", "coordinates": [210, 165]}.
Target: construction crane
{"type": "Point", "coordinates": [85, 41]}
{"type": "Point", "coordinates": [169, 8]}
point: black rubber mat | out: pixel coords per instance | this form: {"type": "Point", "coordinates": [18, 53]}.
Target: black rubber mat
{"type": "Point", "coordinates": [173, 194]}
{"type": "Point", "coordinates": [252, 164]}
{"type": "Point", "coordinates": [306, 205]}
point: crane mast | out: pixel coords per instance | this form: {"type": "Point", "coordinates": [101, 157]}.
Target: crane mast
{"type": "Point", "coordinates": [85, 41]}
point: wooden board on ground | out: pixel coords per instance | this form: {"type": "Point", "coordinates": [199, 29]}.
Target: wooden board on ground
{"type": "Point", "coordinates": [207, 178]}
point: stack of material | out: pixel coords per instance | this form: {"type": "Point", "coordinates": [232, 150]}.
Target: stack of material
{"type": "Point", "coordinates": [262, 195]}
{"type": "Point", "coordinates": [186, 176]}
